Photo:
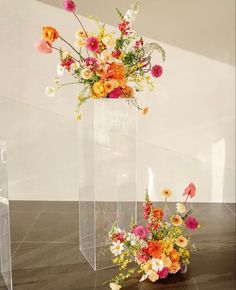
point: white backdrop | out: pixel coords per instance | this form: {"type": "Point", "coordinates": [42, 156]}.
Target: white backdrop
{"type": "Point", "coordinates": [188, 135]}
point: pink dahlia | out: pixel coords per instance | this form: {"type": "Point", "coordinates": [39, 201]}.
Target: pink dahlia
{"type": "Point", "coordinates": [69, 5]}
{"type": "Point", "coordinates": [116, 93]}
{"type": "Point", "coordinates": [190, 190]}
{"type": "Point", "coordinates": [163, 273]}
{"type": "Point", "coordinates": [43, 47]}
{"type": "Point", "coordinates": [92, 43]}
{"type": "Point", "coordinates": [157, 71]}
{"type": "Point", "coordinates": [140, 231]}
{"type": "Point", "coordinates": [191, 223]}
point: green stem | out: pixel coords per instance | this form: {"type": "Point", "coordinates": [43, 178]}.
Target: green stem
{"type": "Point", "coordinates": [80, 24]}
{"type": "Point", "coordinates": [66, 84]}
{"type": "Point", "coordinates": [61, 51]}
{"type": "Point", "coordinates": [81, 57]}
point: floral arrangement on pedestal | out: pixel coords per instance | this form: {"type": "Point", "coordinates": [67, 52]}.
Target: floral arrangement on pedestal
{"type": "Point", "coordinates": [161, 247]}
{"type": "Point", "coordinates": [107, 66]}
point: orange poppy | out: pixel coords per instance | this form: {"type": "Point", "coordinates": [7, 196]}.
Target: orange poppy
{"type": "Point", "coordinates": [50, 34]}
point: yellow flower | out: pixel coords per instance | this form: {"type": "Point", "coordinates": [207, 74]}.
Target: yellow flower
{"type": "Point", "coordinates": [166, 192]}
{"type": "Point", "coordinates": [168, 247]}
{"type": "Point", "coordinates": [145, 110]}
{"type": "Point", "coordinates": [153, 276]}
{"type": "Point", "coordinates": [86, 74]}
{"type": "Point", "coordinates": [147, 266]}
{"type": "Point", "coordinates": [99, 89]}
{"type": "Point", "coordinates": [180, 207]}
{"type": "Point", "coordinates": [114, 286]}
{"type": "Point", "coordinates": [181, 241]}
{"type": "Point", "coordinates": [80, 34]}
{"type": "Point", "coordinates": [176, 220]}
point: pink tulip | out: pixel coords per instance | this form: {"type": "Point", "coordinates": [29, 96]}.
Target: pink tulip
{"type": "Point", "coordinates": [190, 190]}
{"type": "Point", "coordinates": [43, 47]}
{"type": "Point", "coordinates": [69, 5]}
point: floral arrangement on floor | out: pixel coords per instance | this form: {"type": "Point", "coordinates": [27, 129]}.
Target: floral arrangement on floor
{"type": "Point", "coordinates": [160, 248]}
{"type": "Point", "coordinates": [107, 66]}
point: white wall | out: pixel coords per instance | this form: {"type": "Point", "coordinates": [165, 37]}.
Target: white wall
{"type": "Point", "coordinates": [188, 135]}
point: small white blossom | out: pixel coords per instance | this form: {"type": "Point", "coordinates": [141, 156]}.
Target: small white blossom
{"type": "Point", "coordinates": [115, 286]}
{"type": "Point", "coordinates": [60, 70]}
{"type": "Point", "coordinates": [117, 248]}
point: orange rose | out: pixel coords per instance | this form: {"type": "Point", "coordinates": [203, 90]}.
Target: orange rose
{"type": "Point", "coordinates": [116, 71]}
{"type": "Point", "coordinates": [158, 213]}
{"type": "Point", "coordinates": [154, 249]}
{"type": "Point", "coordinates": [49, 33]}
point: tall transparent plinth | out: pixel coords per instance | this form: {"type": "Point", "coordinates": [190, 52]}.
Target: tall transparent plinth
{"type": "Point", "coordinates": [107, 175]}
{"type": "Point", "coordinates": [5, 246]}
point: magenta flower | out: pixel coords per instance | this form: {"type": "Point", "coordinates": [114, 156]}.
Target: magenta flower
{"type": "Point", "coordinates": [69, 5]}
{"type": "Point", "coordinates": [190, 190]}
{"type": "Point", "coordinates": [157, 71]}
{"type": "Point", "coordinates": [91, 62]}
{"type": "Point", "coordinates": [116, 93]}
{"type": "Point", "coordinates": [163, 273]}
{"type": "Point", "coordinates": [140, 231]}
{"type": "Point", "coordinates": [43, 47]}
{"type": "Point", "coordinates": [92, 43]}
{"type": "Point", "coordinates": [191, 223]}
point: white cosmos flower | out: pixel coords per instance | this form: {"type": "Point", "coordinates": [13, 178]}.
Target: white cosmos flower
{"type": "Point", "coordinates": [50, 91]}
{"type": "Point", "coordinates": [157, 264]}
{"type": "Point", "coordinates": [117, 248]}
{"type": "Point", "coordinates": [60, 70]}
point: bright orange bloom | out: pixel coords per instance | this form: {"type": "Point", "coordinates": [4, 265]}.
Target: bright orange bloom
{"type": "Point", "coordinates": [49, 33]}
{"type": "Point", "coordinates": [158, 213]}
{"type": "Point", "coordinates": [174, 255]}
{"type": "Point", "coordinates": [154, 249]}
{"type": "Point", "coordinates": [117, 71]}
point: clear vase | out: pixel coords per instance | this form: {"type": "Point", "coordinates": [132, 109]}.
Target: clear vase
{"type": "Point", "coordinates": [5, 245]}
{"type": "Point", "coordinates": [107, 175]}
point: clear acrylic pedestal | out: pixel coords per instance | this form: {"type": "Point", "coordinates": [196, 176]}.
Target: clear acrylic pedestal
{"type": "Point", "coordinates": [5, 245]}
{"type": "Point", "coordinates": [107, 175]}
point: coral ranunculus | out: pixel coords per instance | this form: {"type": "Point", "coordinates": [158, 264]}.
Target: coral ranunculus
{"type": "Point", "coordinates": [50, 34]}
{"type": "Point", "coordinates": [174, 256]}
{"type": "Point", "coordinates": [43, 47]}
{"type": "Point", "coordinates": [175, 267]}
{"type": "Point", "coordinates": [154, 249]}
{"type": "Point", "coordinates": [176, 220]}
{"type": "Point", "coordinates": [69, 5]}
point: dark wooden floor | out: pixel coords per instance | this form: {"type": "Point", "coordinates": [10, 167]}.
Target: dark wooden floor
{"type": "Point", "coordinates": [46, 252]}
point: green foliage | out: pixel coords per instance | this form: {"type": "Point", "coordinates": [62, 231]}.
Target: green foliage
{"type": "Point", "coordinates": [130, 59]}
{"type": "Point", "coordinates": [120, 14]}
